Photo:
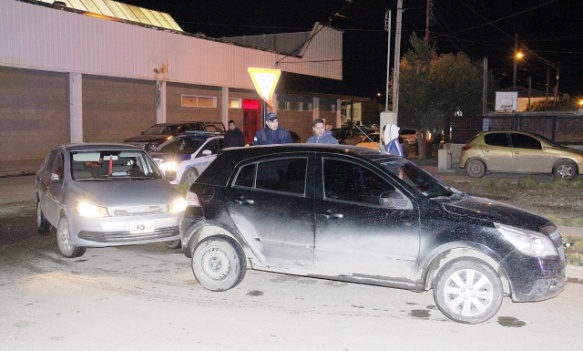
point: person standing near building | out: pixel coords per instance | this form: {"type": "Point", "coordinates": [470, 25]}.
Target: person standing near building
{"type": "Point", "coordinates": [272, 133]}
{"type": "Point", "coordinates": [391, 139]}
{"type": "Point", "coordinates": [321, 135]}
{"type": "Point", "coordinates": [233, 136]}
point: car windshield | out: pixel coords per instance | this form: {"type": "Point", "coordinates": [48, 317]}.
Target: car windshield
{"type": "Point", "coordinates": [417, 178]}
{"type": "Point", "coordinates": [160, 129]}
{"type": "Point", "coordinates": [182, 146]}
{"type": "Point", "coordinates": [107, 165]}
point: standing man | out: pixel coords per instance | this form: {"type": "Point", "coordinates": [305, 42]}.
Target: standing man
{"type": "Point", "coordinates": [321, 135]}
{"type": "Point", "coordinates": [272, 133]}
{"type": "Point", "coordinates": [233, 136]}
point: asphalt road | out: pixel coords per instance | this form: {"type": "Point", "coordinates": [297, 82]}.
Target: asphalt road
{"type": "Point", "coordinates": [146, 298]}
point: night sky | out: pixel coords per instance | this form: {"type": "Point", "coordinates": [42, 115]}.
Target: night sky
{"type": "Point", "coordinates": [549, 32]}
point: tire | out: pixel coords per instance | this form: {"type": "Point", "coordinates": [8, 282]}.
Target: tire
{"type": "Point", "coordinates": [43, 226]}
{"type": "Point", "coordinates": [475, 168]}
{"type": "Point", "coordinates": [176, 244]}
{"type": "Point", "coordinates": [189, 176]}
{"type": "Point", "coordinates": [565, 169]}
{"type": "Point", "coordinates": [468, 291]}
{"type": "Point", "coordinates": [218, 263]}
{"type": "Point", "coordinates": [64, 242]}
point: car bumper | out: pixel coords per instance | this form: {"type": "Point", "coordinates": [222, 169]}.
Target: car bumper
{"type": "Point", "coordinates": [113, 231]}
{"type": "Point", "coordinates": [538, 279]}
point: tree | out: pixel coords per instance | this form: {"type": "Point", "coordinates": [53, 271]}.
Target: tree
{"type": "Point", "coordinates": [434, 86]}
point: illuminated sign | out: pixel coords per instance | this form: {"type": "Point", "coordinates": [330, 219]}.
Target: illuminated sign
{"type": "Point", "coordinates": [265, 81]}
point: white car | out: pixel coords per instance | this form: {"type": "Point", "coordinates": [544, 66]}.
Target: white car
{"type": "Point", "coordinates": [187, 155]}
{"type": "Point", "coordinates": [99, 195]}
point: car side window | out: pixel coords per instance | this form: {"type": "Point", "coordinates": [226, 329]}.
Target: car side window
{"type": "Point", "coordinates": [496, 139]}
{"type": "Point", "coordinates": [283, 175]}
{"type": "Point", "coordinates": [525, 142]}
{"type": "Point", "coordinates": [351, 182]}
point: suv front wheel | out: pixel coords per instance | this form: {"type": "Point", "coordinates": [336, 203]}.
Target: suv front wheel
{"type": "Point", "coordinates": [468, 291]}
{"type": "Point", "coordinates": [218, 263]}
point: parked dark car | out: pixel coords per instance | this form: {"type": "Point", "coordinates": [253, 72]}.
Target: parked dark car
{"type": "Point", "coordinates": [359, 215]}
{"type": "Point", "coordinates": [99, 195]}
{"type": "Point", "coordinates": [162, 132]}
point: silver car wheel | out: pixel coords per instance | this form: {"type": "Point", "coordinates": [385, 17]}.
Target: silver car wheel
{"type": "Point", "coordinates": [218, 263]}
{"type": "Point", "coordinates": [468, 291]}
{"type": "Point", "coordinates": [565, 169]}
{"type": "Point", "coordinates": [64, 242]}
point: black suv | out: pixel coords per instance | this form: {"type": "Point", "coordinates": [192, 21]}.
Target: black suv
{"type": "Point", "coordinates": [161, 132]}
{"type": "Point", "coordinates": [360, 215]}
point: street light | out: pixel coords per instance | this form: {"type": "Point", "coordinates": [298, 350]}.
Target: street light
{"type": "Point", "coordinates": [388, 29]}
{"type": "Point", "coordinates": [517, 57]}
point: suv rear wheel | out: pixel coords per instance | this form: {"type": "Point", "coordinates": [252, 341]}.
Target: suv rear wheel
{"type": "Point", "coordinates": [468, 291]}
{"type": "Point", "coordinates": [218, 263]}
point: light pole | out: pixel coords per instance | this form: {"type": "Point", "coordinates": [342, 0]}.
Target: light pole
{"type": "Point", "coordinates": [388, 29]}
{"type": "Point", "coordinates": [517, 57]}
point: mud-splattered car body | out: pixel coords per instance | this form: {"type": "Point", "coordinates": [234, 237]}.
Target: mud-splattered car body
{"type": "Point", "coordinates": [360, 215]}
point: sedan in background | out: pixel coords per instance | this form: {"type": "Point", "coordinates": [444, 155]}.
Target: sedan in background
{"type": "Point", "coordinates": [162, 132]}
{"type": "Point", "coordinates": [99, 195]}
{"type": "Point", "coordinates": [185, 157]}
{"type": "Point", "coordinates": [360, 215]}
{"type": "Point", "coordinates": [519, 152]}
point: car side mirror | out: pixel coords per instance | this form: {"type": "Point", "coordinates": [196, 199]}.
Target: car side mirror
{"type": "Point", "coordinates": [170, 174]}
{"type": "Point", "coordinates": [207, 152]}
{"type": "Point", "coordinates": [394, 199]}
{"type": "Point", "coordinates": [55, 177]}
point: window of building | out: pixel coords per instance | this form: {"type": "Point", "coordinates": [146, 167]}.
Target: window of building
{"type": "Point", "coordinates": [198, 101]}
{"type": "Point", "coordinates": [236, 103]}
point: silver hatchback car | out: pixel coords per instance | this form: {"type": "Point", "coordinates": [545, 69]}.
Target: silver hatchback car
{"type": "Point", "coordinates": [99, 195]}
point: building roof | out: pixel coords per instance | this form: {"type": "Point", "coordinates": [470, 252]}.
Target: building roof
{"type": "Point", "coordinates": [117, 10]}
{"type": "Point", "coordinates": [300, 84]}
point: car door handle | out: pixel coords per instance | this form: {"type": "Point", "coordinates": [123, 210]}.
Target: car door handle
{"type": "Point", "coordinates": [244, 201]}
{"type": "Point", "coordinates": [331, 215]}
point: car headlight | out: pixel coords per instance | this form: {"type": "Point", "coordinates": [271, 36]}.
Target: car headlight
{"type": "Point", "coordinates": [168, 166]}
{"type": "Point", "coordinates": [85, 209]}
{"type": "Point", "coordinates": [178, 205]}
{"type": "Point", "coordinates": [528, 242]}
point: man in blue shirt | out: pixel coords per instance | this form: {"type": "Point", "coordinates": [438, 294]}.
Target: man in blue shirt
{"type": "Point", "coordinates": [272, 133]}
{"type": "Point", "coordinates": [321, 135]}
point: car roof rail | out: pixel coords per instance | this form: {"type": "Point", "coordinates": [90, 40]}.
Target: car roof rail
{"type": "Point", "coordinates": [201, 132]}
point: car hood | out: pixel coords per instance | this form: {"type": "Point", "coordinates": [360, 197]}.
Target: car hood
{"type": "Point", "coordinates": [494, 211]}
{"type": "Point", "coordinates": [123, 192]}
{"type": "Point", "coordinates": [146, 138]}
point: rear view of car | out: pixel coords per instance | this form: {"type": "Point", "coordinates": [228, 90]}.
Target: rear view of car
{"type": "Point", "coordinates": [519, 152]}
{"type": "Point", "coordinates": [99, 195]}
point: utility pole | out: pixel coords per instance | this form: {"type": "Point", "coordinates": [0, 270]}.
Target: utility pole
{"type": "Point", "coordinates": [515, 61]}
{"type": "Point", "coordinates": [388, 29]}
{"type": "Point", "coordinates": [427, 17]}
{"type": "Point", "coordinates": [397, 59]}
{"type": "Point", "coordinates": [557, 85]}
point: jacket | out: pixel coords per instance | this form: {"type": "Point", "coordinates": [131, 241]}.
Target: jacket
{"type": "Point", "coordinates": [266, 136]}
{"type": "Point", "coordinates": [326, 138]}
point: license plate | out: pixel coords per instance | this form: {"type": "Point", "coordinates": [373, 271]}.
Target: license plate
{"type": "Point", "coordinates": [145, 227]}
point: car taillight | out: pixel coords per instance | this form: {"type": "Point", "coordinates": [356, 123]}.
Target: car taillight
{"type": "Point", "coordinates": [466, 147]}
{"type": "Point", "coordinates": [192, 199]}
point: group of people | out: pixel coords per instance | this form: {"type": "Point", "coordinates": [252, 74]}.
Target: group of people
{"type": "Point", "coordinates": [272, 133]}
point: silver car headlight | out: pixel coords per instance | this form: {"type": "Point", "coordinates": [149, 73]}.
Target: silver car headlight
{"type": "Point", "coordinates": [177, 205]}
{"type": "Point", "coordinates": [528, 242]}
{"type": "Point", "coordinates": [85, 209]}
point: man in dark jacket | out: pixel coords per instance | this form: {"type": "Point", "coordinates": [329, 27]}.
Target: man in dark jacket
{"type": "Point", "coordinates": [272, 133]}
{"type": "Point", "coordinates": [233, 136]}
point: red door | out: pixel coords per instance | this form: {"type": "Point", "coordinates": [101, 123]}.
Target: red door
{"type": "Point", "coordinates": [252, 120]}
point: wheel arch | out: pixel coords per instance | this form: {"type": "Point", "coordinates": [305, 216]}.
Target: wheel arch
{"type": "Point", "coordinates": [218, 230]}
{"type": "Point", "coordinates": [451, 254]}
